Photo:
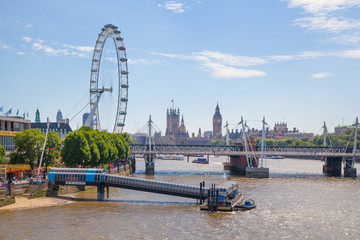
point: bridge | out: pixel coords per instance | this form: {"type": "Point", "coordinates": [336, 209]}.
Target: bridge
{"type": "Point", "coordinates": [286, 151]}
{"type": "Point", "coordinates": [98, 178]}
{"type": "Point", "coordinates": [334, 156]}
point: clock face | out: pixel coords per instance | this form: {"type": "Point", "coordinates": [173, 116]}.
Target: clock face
{"type": "Point", "coordinates": [218, 120]}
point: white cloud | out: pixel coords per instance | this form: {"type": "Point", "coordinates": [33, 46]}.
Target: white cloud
{"type": "Point", "coordinates": [4, 45]}
{"type": "Point", "coordinates": [28, 26]}
{"type": "Point", "coordinates": [52, 49]}
{"type": "Point", "coordinates": [323, 6]}
{"type": "Point", "coordinates": [21, 53]}
{"type": "Point", "coordinates": [330, 16]}
{"type": "Point", "coordinates": [173, 6]}
{"type": "Point", "coordinates": [222, 71]}
{"type": "Point", "coordinates": [348, 53]}
{"type": "Point", "coordinates": [221, 65]}
{"type": "Point", "coordinates": [329, 24]}
{"type": "Point", "coordinates": [141, 61]}
{"type": "Point", "coordinates": [321, 75]}
{"type": "Point", "coordinates": [239, 61]}
{"type": "Point", "coordinates": [27, 39]}
{"type": "Point", "coordinates": [304, 55]}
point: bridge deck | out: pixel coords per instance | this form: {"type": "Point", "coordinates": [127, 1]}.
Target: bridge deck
{"type": "Point", "coordinates": [97, 179]}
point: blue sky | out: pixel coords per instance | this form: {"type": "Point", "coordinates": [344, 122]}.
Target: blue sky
{"type": "Point", "coordinates": [288, 60]}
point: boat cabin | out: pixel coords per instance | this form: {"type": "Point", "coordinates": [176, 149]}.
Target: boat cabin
{"type": "Point", "coordinates": [227, 191]}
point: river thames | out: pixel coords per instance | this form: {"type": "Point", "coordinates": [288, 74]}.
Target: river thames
{"type": "Point", "coordinates": [296, 202]}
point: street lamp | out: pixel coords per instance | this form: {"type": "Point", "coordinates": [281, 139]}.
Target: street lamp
{"type": "Point", "coordinates": [83, 163]}
{"type": "Point", "coordinates": [10, 175]}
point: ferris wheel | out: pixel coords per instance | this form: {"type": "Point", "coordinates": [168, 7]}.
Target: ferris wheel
{"type": "Point", "coordinates": [109, 82]}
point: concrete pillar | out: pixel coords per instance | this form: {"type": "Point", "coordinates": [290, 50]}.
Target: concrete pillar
{"type": "Point", "coordinates": [149, 164]}
{"type": "Point", "coordinates": [257, 172]}
{"type": "Point", "coordinates": [100, 192]}
{"type": "Point", "coordinates": [349, 170]}
{"type": "Point", "coordinates": [237, 165]}
{"type": "Point", "coordinates": [332, 166]}
{"type": "Point", "coordinates": [53, 190]}
{"type": "Point", "coordinates": [10, 189]}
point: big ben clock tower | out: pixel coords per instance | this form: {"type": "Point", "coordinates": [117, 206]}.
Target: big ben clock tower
{"type": "Point", "coordinates": [217, 123]}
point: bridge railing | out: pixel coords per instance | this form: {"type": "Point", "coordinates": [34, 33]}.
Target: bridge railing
{"type": "Point", "coordinates": [208, 149]}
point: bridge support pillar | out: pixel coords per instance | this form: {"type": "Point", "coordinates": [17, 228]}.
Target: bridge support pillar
{"type": "Point", "coordinates": [53, 190]}
{"type": "Point", "coordinates": [256, 172]}
{"type": "Point", "coordinates": [237, 165]}
{"type": "Point", "coordinates": [101, 192]}
{"type": "Point", "coordinates": [349, 170]}
{"type": "Point", "coordinates": [149, 163]}
{"type": "Point", "coordinates": [332, 166]}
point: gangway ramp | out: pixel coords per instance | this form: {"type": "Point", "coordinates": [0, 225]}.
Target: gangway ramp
{"type": "Point", "coordinates": [96, 177]}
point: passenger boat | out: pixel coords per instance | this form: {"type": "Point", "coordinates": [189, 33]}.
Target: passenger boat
{"type": "Point", "coordinates": [247, 205]}
{"type": "Point", "coordinates": [227, 199]}
{"type": "Point", "coordinates": [200, 160]}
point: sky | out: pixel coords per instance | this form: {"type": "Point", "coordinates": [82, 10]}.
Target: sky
{"type": "Point", "coordinates": [296, 61]}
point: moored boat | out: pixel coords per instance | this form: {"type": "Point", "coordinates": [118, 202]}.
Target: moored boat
{"type": "Point", "coordinates": [247, 205]}
{"type": "Point", "coordinates": [201, 160]}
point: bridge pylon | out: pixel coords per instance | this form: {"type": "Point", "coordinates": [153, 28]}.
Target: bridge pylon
{"type": "Point", "coordinates": [349, 169]}
{"type": "Point", "coordinates": [149, 156]}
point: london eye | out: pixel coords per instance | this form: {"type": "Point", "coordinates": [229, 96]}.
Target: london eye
{"type": "Point", "coordinates": [108, 82]}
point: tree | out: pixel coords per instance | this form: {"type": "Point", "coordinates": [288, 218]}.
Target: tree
{"type": "Point", "coordinates": [52, 149]}
{"type": "Point", "coordinates": [2, 153]}
{"type": "Point", "coordinates": [119, 143]}
{"type": "Point", "coordinates": [76, 149]}
{"type": "Point", "coordinates": [28, 147]}
{"type": "Point", "coordinates": [216, 142]}
{"type": "Point", "coordinates": [94, 150]}
{"type": "Point", "coordinates": [101, 144]}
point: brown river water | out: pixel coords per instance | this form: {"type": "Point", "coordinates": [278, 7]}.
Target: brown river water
{"type": "Point", "coordinates": [296, 202]}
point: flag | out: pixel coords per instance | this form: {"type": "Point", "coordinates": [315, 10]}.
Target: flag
{"type": "Point", "coordinates": [24, 115]}
{"type": "Point", "coordinates": [27, 114]}
{"type": "Point", "coordinates": [8, 112]}
{"type": "Point", "coordinates": [17, 113]}
{"type": "Point", "coordinates": [1, 109]}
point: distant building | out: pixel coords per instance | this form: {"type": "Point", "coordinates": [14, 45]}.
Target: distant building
{"type": "Point", "coordinates": [61, 126]}
{"type": "Point", "coordinates": [59, 116]}
{"type": "Point", "coordinates": [208, 134]}
{"type": "Point", "coordinates": [217, 123]}
{"type": "Point", "coordinates": [84, 117]}
{"type": "Point", "coordinates": [37, 116]}
{"type": "Point", "coordinates": [342, 129]}
{"type": "Point", "coordinates": [9, 126]}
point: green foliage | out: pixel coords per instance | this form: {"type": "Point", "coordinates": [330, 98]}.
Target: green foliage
{"type": "Point", "coordinates": [332, 140]}
{"type": "Point", "coordinates": [75, 150]}
{"type": "Point", "coordinates": [52, 147]}
{"type": "Point", "coordinates": [216, 142]}
{"type": "Point", "coordinates": [28, 147]}
{"type": "Point", "coordinates": [127, 138]}
{"type": "Point", "coordinates": [16, 158]}
{"type": "Point", "coordinates": [2, 153]}
{"type": "Point", "coordinates": [104, 148]}
{"type": "Point", "coordinates": [94, 150]}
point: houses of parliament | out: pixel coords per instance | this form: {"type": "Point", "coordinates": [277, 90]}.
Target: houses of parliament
{"type": "Point", "coordinates": [176, 131]}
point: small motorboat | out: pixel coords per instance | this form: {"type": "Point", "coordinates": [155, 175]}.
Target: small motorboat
{"type": "Point", "coordinates": [247, 205]}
